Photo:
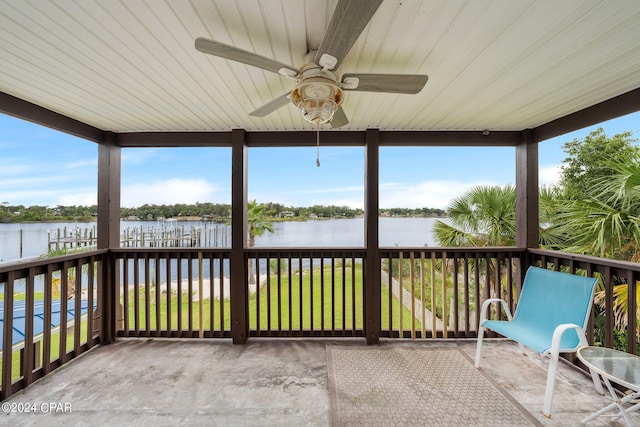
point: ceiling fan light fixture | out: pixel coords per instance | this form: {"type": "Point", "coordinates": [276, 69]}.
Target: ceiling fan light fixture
{"type": "Point", "coordinates": [317, 110]}
{"type": "Point", "coordinates": [318, 98]}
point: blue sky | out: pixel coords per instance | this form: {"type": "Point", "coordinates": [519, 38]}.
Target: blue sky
{"type": "Point", "coordinates": [40, 166]}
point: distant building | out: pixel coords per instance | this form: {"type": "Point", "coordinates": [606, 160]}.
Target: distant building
{"type": "Point", "coordinates": [287, 214]}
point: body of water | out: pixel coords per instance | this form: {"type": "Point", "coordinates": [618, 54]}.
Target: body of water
{"type": "Point", "coordinates": [402, 232]}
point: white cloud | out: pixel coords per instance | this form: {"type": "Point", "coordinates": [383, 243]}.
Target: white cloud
{"type": "Point", "coordinates": [431, 194]}
{"type": "Point", "coordinates": [550, 174]}
{"type": "Point", "coordinates": [354, 189]}
{"type": "Point", "coordinates": [39, 183]}
{"type": "Point", "coordinates": [81, 164]}
{"type": "Point", "coordinates": [86, 198]}
{"type": "Point", "coordinates": [28, 197]}
{"type": "Point", "coordinates": [11, 169]}
{"type": "Point", "coordinates": [353, 203]}
{"type": "Point", "coordinates": [138, 155]}
{"type": "Point", "coordinates": [352, 196]}
{"type": "Point", "coordinates": [168, 192]}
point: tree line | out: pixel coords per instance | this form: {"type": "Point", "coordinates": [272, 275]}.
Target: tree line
{"type": "Point", "coordinates": [37, 213]}
{"type": "Point", "coordinates": [213, 211]}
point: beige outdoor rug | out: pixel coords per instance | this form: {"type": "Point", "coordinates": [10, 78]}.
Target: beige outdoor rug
{"type": "Point", "coordinates": [415, 386]}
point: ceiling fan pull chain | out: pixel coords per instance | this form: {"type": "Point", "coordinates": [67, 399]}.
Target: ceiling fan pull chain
{"type": "Point", "coordinates": [318, 144]}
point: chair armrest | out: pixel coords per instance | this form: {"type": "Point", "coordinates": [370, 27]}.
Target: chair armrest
{"type": "Point", "coordinates": [557, 337]}
{"type": "Point", "coordinates": [485, 307]}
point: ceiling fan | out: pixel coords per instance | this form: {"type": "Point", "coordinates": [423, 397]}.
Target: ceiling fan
{"type": "Point", "coordinates": [318, 93]}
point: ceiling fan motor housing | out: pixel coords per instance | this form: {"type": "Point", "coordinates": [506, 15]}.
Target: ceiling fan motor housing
{"type": "Point", "coordinates": [317, 94]}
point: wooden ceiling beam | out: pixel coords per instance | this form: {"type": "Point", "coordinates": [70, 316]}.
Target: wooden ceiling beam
{"type": "Point", "coordinates": [25, 110]}
{"type": "Point", "coordinates": [618, 106]}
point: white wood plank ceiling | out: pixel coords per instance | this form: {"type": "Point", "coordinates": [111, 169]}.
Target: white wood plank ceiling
{"type": "Point", "coordinates": [131, 65]}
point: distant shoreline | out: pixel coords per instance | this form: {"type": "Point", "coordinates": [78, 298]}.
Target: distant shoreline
{"type": "Point", "coordinates": [219, 212]}
{"type": "Point", "coordinates": [25, 240]}
{"type": "Point", "coordinates": [217, 221]}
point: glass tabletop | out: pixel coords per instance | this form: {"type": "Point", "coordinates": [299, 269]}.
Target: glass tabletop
{"type": "Point", "coordinates": [621, 367]}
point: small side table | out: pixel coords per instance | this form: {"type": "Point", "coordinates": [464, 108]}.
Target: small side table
{"type": "Point", "coordinates": [617, 366]}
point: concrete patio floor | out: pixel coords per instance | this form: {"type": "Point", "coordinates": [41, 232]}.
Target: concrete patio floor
{"type": "Point", "coordinates": [150, 382]}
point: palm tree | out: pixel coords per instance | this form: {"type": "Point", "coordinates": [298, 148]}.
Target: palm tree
{"type": "Point", "coordinates": [620, 307]}
{"type": "Point", "coordinates": [552, 235]}
{"type": "Point", "coordinates": [483, 216]}
{"type": "Point", "coordinates": [258, 225]}
{"type": "Point", "coordinates": [5, 205]}
{"type": "Point", "coordinates": [56, 282]}
{"type": "Point", "coordinates": [608, 224]}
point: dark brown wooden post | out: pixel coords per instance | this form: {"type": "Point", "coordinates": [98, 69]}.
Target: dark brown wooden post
{"type": "Point", "coordinates": [28, 354]}
{"type": "Point", "coordinates": [527, 197]}
{"type": "Point", "coordinates": [237, 264]}
{"type": "Point", "coordinates": [7, 342]}
{"type": "Point", "coordinates": [372, 263]}
{"type": "Point", "coordinates": [109, 172]}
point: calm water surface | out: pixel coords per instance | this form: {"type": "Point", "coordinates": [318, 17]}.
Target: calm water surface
{"type": "Point", "coordinates": [403, 232]}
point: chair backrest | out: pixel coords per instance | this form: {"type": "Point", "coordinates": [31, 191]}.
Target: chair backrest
{"type": "Point", "coordinates": [550, 298]}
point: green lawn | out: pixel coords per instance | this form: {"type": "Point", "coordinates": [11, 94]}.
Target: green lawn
{"type": "Point", "coordinates": [338, 302]}
{"type": "Point", "coordinates": [278, 306]}
{"type": "Point", "coordinates": [187, 312]}
{"type": "Point", "coordinates": [54, 349]}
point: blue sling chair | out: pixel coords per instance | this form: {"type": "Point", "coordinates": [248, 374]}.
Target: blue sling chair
{"type": "Point", "coordinates": [551, 316]}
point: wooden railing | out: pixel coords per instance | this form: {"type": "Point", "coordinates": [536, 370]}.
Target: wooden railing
{"type": "Point", "coordinates": [311, 292]}
{"type": "Point", "coordinates": [174, 292]}
{"type": "Point", "coordinates": [424, 293]}
{"type": "Point", "coordinates": [50, 315]}
{"type": "Point", "coordinates": [306, 293]}
{"type": "Point", "coordinates": [437, 291]}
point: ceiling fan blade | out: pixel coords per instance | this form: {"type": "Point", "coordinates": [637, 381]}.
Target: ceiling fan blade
{"type": "Point", "coordinates": [339, 118]}
{"type": "Point", "coordinates": [271, 106]}
{"type": "Point", "coordinates": [393, 83]}
{"type": "Point", "coordinates": [349, 19]}
{"type": "Point", "coordinates": [222, 50]}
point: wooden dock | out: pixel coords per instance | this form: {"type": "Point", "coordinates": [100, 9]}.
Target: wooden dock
{"type": "Point", "coordinates": [216, 235]}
